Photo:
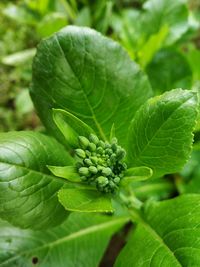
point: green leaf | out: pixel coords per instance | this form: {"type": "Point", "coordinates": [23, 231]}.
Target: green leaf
{"type": "Point", "coordinates": [67, 172]}
{"type": "Point", "coordinates": [158, 189]}
{"type": "Point", "coordinates": [28, 192]}
{"type": "Point", "coordinates": [156, 25]}
{"type": "Point", "coordinates": [160, 134]}
{"type": "Point", "coordinates": [189, 179]}
{"type": "Point", "coordinates": [80, 241]}
{"type": "Point", "coordinates": [90, 76]}
{"type": "Point", "coordinates": [20, 14]}
{"type": "Point", "coordinates": [167, 235]}
{"type": "Point", "coordinates": [70, 126]}
{"type": "Point", "coordinates": [84, 200]}
{"type": "Point", "coordinates": [51, 23]}
{"type": "Point", "coordinates": [153, 44]}
{"type": "Point", "coordinates": [84, 17]}
{"type": "Point", "coordinates": [193, 56]}
{"type": "Point", "coordinates": [137, 174]}
{"type": "Point", "coordinates": [19, 58]}
{"type": "Point", "coordinates": [164, 76]}
{"type": "Point", "coordinates": [173, 14]}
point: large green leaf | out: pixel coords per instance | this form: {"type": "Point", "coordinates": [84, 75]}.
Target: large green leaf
{"type": "Point", "coordinates": [164, 76]}
{"type": "Point", "coordinates": [80, 241]}
{"type": "Point", "coordinates": [91, 76]}
{"type": "Point", "coordinates": [28, 195]}
{"type": "Point", "coordinates": [160, 135]}
{"type": "Point", "coordinates": [167, 235]}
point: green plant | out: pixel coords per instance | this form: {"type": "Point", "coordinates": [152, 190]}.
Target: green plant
{"type": "Point", "coordinates": [107, 137]}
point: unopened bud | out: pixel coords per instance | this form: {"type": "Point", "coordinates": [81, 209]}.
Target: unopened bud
{"type": "Point", "coordinates": [94, 160]}
{"type": "Point", "coordinates": [114, 140]}
{"type": "Point", "coordinates": [83, 141]}
{"type": "Point", "coordinates": [92, 147]}
{"type": "Point", "coordinates": [80, 153]}
{"type": "Point", "coordinates": [117, 180]}
{"type": "Point", "coordinates": [88, 153]}
{"type": "Point", "coordinates": [100, 150]}
{"type": "Point", "coordinates": [106, 171]}
{"type": "Point", "coordinates": [94, 139]}
{"type": "Point", "coordinates": [102, 181]}
{"type": "Point", "coordinates": [88, 162]}
{"type": "Point", "coordinates": [93, 169]}
{"type": "Point", "coordinates": [101, 144]}
{"type": "Point", "coordinates": [114, 147]}
{"type": "Point", "coordinates": [83, 171]}
{"type": "Point", "coordinates": [109, 151]}
{"type": "Point", "coordinates": [121, 154]}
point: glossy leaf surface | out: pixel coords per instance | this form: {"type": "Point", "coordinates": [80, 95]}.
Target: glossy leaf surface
{"type": "Point", "coordinates": [160, 135]}
{"type": "Point", "coordinates": [80, 241]}
{"type": "Point", "coordinates": [92, 77]}
{"type": "Point", "coordinates": [28, 196]}
{"type": "Point", "coordinates": [84, 200]}
{"type": "Point", "coordinates": [168, 235]}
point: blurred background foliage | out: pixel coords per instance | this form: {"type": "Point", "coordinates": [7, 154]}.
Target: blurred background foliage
{"type": "Point", "coordinates": [162, 36]}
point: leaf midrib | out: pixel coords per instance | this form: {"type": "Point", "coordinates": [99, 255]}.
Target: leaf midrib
{"type": "Point", "coordinates": [157, 131]}
{"type": "Point", "coordinates": [78, 234]}
{"type": "Point", "coordinates": [84, 94]}
{"type": "Point", "coordinates": [153, 232]}
{"type": "Point", "coordinates": [35, 171]}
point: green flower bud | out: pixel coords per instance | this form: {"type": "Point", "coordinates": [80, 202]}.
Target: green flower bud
{"type": "Point", "coordinates": [114, 140]}
{"type": "Point", "coordinates": [102, 181]}
{"type": "Point", "coordinates": [99, 167]}
{"type": "Point", "coordinates": [80, 153]}
{"type": "Point", "coordinates": [107, 145]}
{"type": "Point", "coordinates": [109, 151]}
{"type": "Point", "coordinates": [83, 171]}
{"type": "Point", "coordinates": [113, 158]}
{"type": "Point", "coordinates": [121, 154]}
{"type": "Point", "coordinates": [92, 147]}
{"type": "Point", "coordinates": [117, 180]}
{"type": "Point", "coordinates": [100, 150]}
{"type": "Point", "coordinates": [83, 141]}
{"type": "Point", "coordinates": [94, 139]}
{"type": "Point", "coordinates": [100, 161]}
{"type": "Point", "coordinates": [88, 162]}
{"type": "Point", "coordinates": [112, 185]}
{"type": "Point", "coordinates": [106, 171]}
{"type": "Point", "coordinates": [101, 144]}
{"type": "Point", "coordinates": [114, 147]}
{"type": "Point", "coordinates": [93, 169]}
{"type": "Point", "coordinates": [94, 160]}
{"type": "Point", "coordinates": [88, 153]}
{"type": "Point", "coordinates": [108, 162]}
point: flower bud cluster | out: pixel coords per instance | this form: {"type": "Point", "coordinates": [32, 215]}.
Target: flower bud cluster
{"type": "Point", "coordinates": [100, 163]}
